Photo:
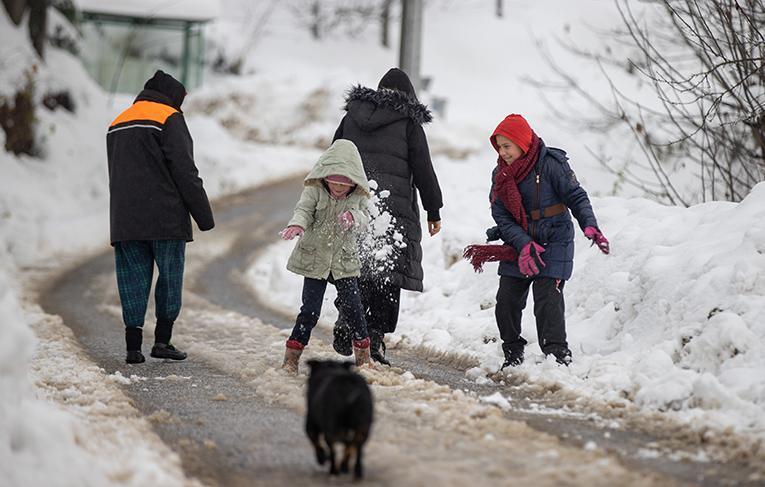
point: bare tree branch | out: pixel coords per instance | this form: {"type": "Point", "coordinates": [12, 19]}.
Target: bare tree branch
{"type": "Point", "coordinates": [704, 63]}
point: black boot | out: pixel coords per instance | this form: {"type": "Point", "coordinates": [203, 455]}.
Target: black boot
{"type": "Point", "coordinates": [160, 350]}
{"type": "Point", "coordinates": [561, 353]}
{"type": "Point", "coordinates": [133, 340]}
{"type": "Point", "coordinates": [377, 348]}
{"type": "Point", "coordinates": [513, 356]}
{"type": "Point", "coordinates": [162, 347]}
{"type": "Point", "coordinates": [342, 339]}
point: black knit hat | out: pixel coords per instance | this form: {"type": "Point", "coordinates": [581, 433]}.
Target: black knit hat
{"type": "Point", "coordinates": [396, 79]}
{"type": "Point", "coordinates": [168, 86]}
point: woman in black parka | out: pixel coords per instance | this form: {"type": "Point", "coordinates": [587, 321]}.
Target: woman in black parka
{"type": "Point", "coordinates": [386, 126]}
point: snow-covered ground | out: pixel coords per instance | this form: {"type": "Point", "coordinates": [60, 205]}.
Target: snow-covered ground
{"type": "Point", "coordinates": [639, 319]}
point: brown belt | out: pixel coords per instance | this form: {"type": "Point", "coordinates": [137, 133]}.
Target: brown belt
{"type": "Point", "coordinates": [548, 211]}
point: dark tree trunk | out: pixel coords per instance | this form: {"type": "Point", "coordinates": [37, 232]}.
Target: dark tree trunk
{"type": "Point", "coordinates": [38, 21]}
{"type": "Point", "coordinates": [500, 10]}
{"type": "Point", "coordinates": [385, 23]}
{"type": "Point", "coordinates": [15, 9]}
{"type": "Point", "coordinates": [316, 20]}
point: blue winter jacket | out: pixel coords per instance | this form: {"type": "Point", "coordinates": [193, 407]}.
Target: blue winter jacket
{"type": "Point", "coordinates": [558, 184]}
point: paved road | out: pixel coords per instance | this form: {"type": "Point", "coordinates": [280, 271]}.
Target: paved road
{"type": "Point", "coordinates": [222, 442]}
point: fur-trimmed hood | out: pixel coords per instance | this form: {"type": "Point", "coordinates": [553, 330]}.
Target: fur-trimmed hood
{"type": "Point", "coordinates": [342, 158]}
{"type": "Point", "coordinates": [374, 108]}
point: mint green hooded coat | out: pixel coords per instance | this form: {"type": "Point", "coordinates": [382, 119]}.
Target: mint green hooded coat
{"type": "Point", "coordinates": [325, 247]}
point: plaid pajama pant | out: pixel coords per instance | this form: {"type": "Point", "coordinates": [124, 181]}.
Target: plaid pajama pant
{"type": "Point", "coordinates": [134, 261]}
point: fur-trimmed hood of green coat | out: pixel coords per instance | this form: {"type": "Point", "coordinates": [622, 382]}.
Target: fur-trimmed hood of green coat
{"type": "Point", "coordinates": [342, 158]}
{"type": "Point", "coordinates": [325, 248]}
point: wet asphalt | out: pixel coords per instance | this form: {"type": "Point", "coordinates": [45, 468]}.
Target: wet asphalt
{"type": "Point", "coordinates": [221, 442]}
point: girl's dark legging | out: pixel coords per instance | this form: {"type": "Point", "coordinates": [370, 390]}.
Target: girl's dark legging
{"type": "Point", "coordinates": [348, 297]}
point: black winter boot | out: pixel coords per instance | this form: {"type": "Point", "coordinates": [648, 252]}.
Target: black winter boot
{"type": "Point", "coordinates": [513, 356]}
{"type": "Point", "coordinates": [162, 347]}
{"type": "Point", "coordinates": [562, 354]}
{"type": "Point", "coordinates": [377, 348]}
{"type": "Point", "coordinates": [163, 332]}
{"type": "Point", "coordinates": [342, 339]}
{"type": "Point", "coordinates": [513, 359]}
{"type": "Point", "coordinates": [133, 340]}
{"type": "Point", "coordinates": [160, 350]}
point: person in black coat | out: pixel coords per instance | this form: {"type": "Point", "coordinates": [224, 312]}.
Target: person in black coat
{"type": "Point", "coordinates": [386, 126]}
{"type": "Point", "coordinates": [154, 186]}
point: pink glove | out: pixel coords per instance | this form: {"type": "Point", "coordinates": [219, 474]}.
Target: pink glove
{"type": "Point", "coordinates": [597, 238]}
{"type": "Point", "coordinates": [530, 255]}
{"type": "Point", "coordinates": [291, 232]}
{"type": "Point", "coordinates": [345, 219]}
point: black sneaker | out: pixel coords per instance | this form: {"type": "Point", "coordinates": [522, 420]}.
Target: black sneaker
{"type": "Point", "coordinates": [160, 350]}
{"type": "Point", "coordinates": [513, 358]}
{"type": "Point", "coordinates": [342, 340]}
{"type": "Point", "coordinates": [562, 355]}
{"type": "Point", "coordinates": [134, 357]}
{"type": "Point", "coordinates": [377, 350]}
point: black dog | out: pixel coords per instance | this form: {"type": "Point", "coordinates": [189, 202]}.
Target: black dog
{"type": "Point", "coordinates": [340, 410]}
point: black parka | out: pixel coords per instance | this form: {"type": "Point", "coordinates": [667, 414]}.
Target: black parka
{"type": "Point", "coordinates": [153, 182]}
{"type": "Point", "coordinates": [386, 126]}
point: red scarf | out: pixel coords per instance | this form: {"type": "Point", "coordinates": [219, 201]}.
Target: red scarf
{"type": "Point", "coordinates": [505, 188]}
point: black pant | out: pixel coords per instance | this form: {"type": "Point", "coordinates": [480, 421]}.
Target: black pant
{"type": "Point", "coordinates": [549, 310]}
{"type": "Point", "coordinates": [381, 305]}
{"type": "Point", "coordinates": [348, 299]}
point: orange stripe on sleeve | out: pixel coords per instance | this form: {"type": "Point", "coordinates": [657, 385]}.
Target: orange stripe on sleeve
{"type": "Point", "coordinates": [145, 110]}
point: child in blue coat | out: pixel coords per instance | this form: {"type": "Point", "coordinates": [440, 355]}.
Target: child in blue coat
{"type": "Point", "coordinates": [534, 193]}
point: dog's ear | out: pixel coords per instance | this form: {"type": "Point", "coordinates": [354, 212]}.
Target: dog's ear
{"type": "Point", "coordinates": [315, 364]}
{"type": "Point", "coordinates": [347, 365]}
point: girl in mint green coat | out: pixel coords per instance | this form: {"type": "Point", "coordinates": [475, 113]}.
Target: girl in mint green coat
{"type": "Point", "coordinates": [331, 212]}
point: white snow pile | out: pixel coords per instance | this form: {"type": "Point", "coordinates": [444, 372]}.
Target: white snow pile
{"type": "Point", "coordinates": [273, 109]}
{"type": "Point", "coordinates": [37, 439]}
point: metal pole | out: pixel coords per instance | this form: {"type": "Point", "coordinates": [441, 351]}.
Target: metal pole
{"type": "Point", "coordinates": [411, 40]}
{"type": "Point", "coordinates": [201, 58]}
{"type": "Point", "coordinates": [186, 55]}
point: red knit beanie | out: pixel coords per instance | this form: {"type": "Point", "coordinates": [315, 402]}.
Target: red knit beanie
{"type": "Point", "coordinates": [515, 128]}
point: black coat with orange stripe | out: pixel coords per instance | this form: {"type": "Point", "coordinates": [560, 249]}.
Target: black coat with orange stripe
{"type": "Point", "coordinates": [386, 126]}
{"type": "Point", "coordinates": [154, 184]}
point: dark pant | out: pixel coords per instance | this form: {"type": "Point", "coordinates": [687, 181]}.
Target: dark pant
{"type": "Point", "coordinates": [381, 306]}
{"type": "Point", "coordinates": [549, 310]}
{"type": "Point", "coordinates": [134, 262]}
{"type": "Point", "coordinates": [348, 298]}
